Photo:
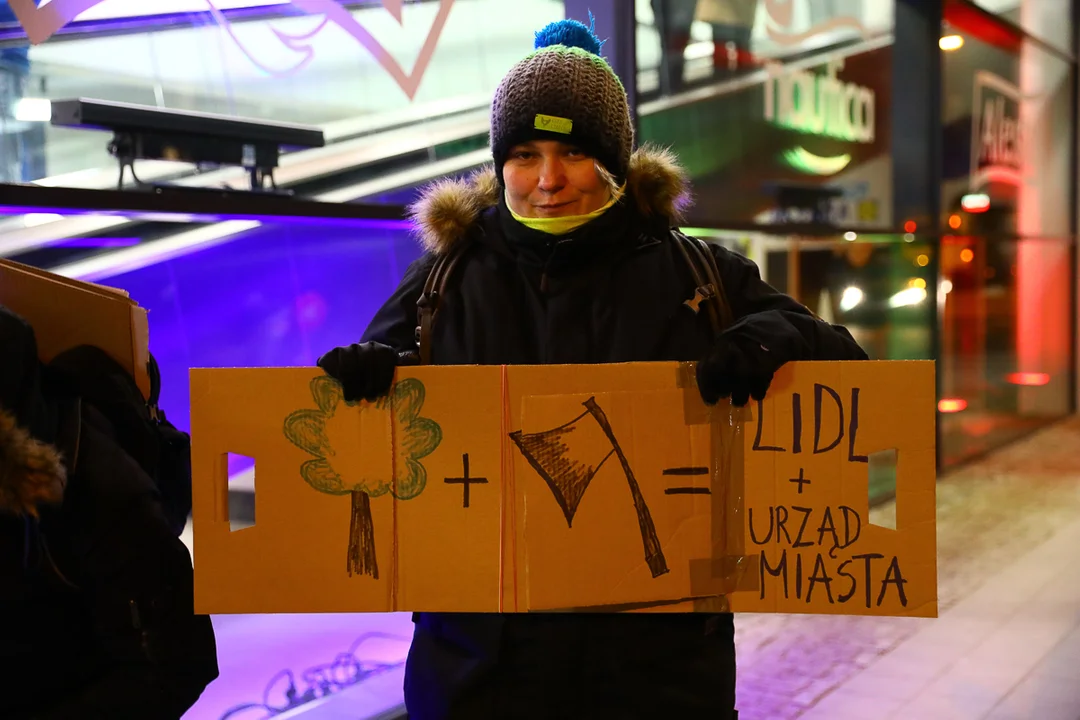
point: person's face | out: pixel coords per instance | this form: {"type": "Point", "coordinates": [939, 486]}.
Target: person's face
{"type": "Point", "coordinates": [548, 178]}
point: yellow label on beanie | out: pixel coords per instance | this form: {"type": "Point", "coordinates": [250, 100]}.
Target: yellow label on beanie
{"type": "Point", "coordinates": [553, 124]}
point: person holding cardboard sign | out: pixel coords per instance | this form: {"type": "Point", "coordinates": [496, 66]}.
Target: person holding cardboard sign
{"type": "Point", "coordinates": [566, 250]}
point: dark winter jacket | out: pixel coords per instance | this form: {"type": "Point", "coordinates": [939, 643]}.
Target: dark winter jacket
{"type": "Point", "coordinates": [96, 595]}
{"type": "Point", "coordinates": [612, 291]}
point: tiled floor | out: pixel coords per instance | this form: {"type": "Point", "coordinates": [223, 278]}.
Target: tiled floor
{"type": "Point", "coordinates": [1007, 643]}
{"type": "Point", "coordinates": [1011, 649]}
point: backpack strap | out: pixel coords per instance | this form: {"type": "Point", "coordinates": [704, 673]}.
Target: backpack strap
{"type": "Point", "coordinates": [699, 258]}
{"type": "Point", "coordinates": [434, 289]}
{"type": "Point", "coordinates": [152, 369]}
{"type": "Point", "coordinates": [710, 288]}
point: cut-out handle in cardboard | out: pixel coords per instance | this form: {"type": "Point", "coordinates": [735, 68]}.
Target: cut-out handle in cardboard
{"type": "Point", "coordinates": [220, 488]}
{"type": "Point", "coordinates": [882, 482]}
{"type": "Point", "coordinates": [239, 478]}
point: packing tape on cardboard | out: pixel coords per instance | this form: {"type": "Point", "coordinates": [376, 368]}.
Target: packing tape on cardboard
{"type": "Point", "coordinates": [728, 570]}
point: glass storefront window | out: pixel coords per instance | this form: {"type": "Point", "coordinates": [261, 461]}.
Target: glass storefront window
{"type": "Point", "coordinates": [681, 43]}
{"type": "Point", "coordinates": [1005, 355]}
{"type": "Point", "coordinates": [877, 286]}
{"type": "Point", "coordinates": [1007, 254]}
{"type": "Point", "coordinates": [779, 109]}
{"type": "Point", "coordinates": [351, 68]}
{"type": "Point", "coordinates": [1006, 118]}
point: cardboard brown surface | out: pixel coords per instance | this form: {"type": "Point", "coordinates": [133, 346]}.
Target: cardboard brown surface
{"type": "Point", "coordinates": [560, 488]}
{"type": "Point", "coordinates": [885, 406]}
{"type": "Point", "coordinates": [66, 313]}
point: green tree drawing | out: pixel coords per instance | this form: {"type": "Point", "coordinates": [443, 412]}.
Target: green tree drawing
{"type": "Point", "coordinates": [415, 438]}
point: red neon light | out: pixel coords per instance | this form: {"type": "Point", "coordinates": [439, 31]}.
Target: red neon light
{"type": "Point", "coordinates": [1030, 379]}
{"type": "Point", "coordinates": [951, 405]}
{"type": "Point", "coordinates": [983, 25]}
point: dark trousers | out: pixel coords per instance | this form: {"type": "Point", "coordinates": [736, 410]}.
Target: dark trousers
{"type": "Point", "coordinates": [673, 19]}
{"type": "Point", "coordinates": [577, 666]}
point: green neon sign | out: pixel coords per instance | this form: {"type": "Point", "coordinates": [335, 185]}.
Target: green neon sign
{"type": "Point", "coordinates": [819, 104]}
{"type": "Point", "coordinates": [807, 162]}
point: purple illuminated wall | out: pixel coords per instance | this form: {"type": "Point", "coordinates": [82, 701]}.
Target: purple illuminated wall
{"type": "Point", "coordinates": [280, 295]}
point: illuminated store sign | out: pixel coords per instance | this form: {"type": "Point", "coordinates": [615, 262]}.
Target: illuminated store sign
{"type": "Point", "coordinates": [996, 137]}
{"type": "Point", "coordinates": [807, 162]}
{"type": "Point", "coordinates": [819, 104]}
{"type": "Point", "coordinates": [1000, 136]}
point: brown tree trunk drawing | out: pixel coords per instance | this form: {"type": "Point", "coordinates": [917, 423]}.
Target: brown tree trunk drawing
{"type": "Point", "coordinates": [362, 560]}
{"type": "Point", "coordinates": [307, 429]}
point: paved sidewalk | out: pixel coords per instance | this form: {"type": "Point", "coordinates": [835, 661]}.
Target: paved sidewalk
{"type": "Point", "coordinates": [1007, 636]}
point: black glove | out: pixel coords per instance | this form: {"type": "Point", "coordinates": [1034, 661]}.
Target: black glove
{"type": "Point", "coordinates": [365, 370]}
{"type": "Point", "coordinates": [737, 366]}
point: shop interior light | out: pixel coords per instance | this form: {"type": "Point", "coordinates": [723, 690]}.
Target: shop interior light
{"type": "Point", "coordinates": [954, 222]}
{"type": "Point", "coordinates": [33, 109]}
{"type": "Point", "coordinates": [850, 236]}
{"type": "Point", "coordinates": [948, 43]}
{"type": "Point", "coordinates": [1030, 379]}
{"type": "Point", "coordinates": [975, 202]}
{"type": "Point", "coordinates": [951, 405]}
{"type": "Point", "coordinates": [851, 298]}
{"type": "Point", "coordinates": [908, 297]}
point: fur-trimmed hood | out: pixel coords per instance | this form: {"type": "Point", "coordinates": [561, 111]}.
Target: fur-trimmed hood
{"type": "Point", "coordinates": [656, 184]}
{"type": "Point", "coordinates": [31, 472]}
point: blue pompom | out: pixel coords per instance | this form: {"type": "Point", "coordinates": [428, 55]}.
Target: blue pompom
{"type": "Point", "coordinates": [570, 33]}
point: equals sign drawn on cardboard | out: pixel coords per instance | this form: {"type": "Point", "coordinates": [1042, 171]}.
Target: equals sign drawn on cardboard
{"type": "Point", "coordinates": [687, 471]}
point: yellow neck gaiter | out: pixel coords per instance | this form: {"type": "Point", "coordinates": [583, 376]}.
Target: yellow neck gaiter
{"type": "Point", "coordinates": [563, 225]}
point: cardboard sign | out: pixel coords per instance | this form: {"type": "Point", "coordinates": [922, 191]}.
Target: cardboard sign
{"type": "Point", "coordinates": [561, 488]}
{"type": "Point", "coordinates": [67, 313]}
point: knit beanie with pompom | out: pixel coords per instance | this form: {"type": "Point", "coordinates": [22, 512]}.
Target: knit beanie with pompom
{"type": "Point", "coordinates": [564, 90]}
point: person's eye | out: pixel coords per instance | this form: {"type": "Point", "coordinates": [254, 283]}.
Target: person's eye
{"type": "Point", "coordinates": [575, 153]}
{"type": "Point", "coordinates": [522, 155]}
